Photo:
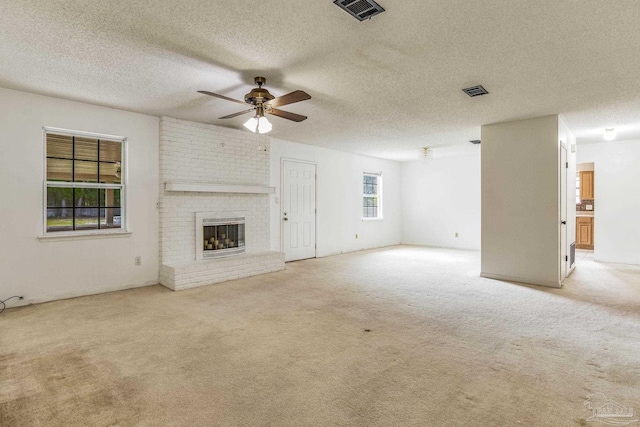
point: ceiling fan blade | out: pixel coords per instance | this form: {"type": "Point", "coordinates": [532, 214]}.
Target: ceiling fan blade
{"type": "Point", "coordinates": [221, 97]}
{"type": "Point", "coordinates": [289, 98]}
{"type": "Point", "coordinates": [230, 116]}
{"type": "Point", "coordinates": [286, 115]}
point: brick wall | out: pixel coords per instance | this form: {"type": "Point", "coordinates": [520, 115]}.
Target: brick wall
{"type": "Point", "coordinates": [199, 153]}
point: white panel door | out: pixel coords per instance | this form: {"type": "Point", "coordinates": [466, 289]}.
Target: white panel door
{"type": "Point", "coordinates": [298, 210]}
{"type": "Point", "coordinates": [563, 213]}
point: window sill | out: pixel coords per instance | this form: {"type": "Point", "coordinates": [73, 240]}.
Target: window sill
{"type": "Point", "coordinates": [372, 219]}
{"type": "Point", "coordinates": [79, 235]}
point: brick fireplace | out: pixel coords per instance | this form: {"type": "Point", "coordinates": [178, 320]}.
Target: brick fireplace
{"type": "Point", "coordinates": [208, 174]}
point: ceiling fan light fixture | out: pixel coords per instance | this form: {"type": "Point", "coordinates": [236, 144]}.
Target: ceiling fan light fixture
{"type": "Point", "coordinates": [609, 134]}
{"type": "Point", "coordinates": [251, 124]}
{"type": "Point", "coordinates": [258, 124]}
{"type": "Point", "coordinates": [264, 125]}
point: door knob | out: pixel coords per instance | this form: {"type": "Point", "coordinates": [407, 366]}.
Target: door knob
{"type": "Point", "coordinates": [285, 218]}
{"type": "Point", "coordinates": [563, 222]}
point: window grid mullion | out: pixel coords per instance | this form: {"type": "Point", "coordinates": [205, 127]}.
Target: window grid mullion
{"type": "Point", "coordinates": [73, 179]}
{"type": "Point", "coordinates": [69, 184]}
{"type": "Point", "coordinates": [98, 181]}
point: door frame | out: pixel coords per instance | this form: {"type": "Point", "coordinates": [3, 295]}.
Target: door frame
{"type": "Point", "coordinates": [564, 228]}
{"type": "Point", "coordinates": [315, 201]}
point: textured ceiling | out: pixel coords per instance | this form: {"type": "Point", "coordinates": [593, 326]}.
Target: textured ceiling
{"type": "Point", "coordinates": [384, 87]}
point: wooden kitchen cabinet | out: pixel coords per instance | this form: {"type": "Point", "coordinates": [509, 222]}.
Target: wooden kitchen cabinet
{"type": "Point", "coordinates": [584, 232]}
{"type": "Point", "coordinates": [586, 185]}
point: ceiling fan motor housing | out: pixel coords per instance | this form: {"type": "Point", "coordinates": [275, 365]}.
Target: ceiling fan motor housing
{"type": "Point", "coordinates": [258, 96]}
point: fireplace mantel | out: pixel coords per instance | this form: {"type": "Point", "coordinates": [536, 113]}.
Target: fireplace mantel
{"type": "Point", "coordinates": [200, 187]}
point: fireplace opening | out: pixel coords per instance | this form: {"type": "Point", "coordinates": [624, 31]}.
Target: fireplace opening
{"type": "Point", "coordinates": [222, 237]}
{"type": "Point", "coordinates": [217, 237]}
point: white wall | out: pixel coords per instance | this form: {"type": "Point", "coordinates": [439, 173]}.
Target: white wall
{"type": "Point", "coordinates": [617, 179]}
{"type": "Point", "coordinates": [520, 201]}
{"type": "Point", "coordinates": [441, 197]}
{"type": "Point", "coordinates": [339, 198]}
{"type": "Point", "coordinates": [42, 270]}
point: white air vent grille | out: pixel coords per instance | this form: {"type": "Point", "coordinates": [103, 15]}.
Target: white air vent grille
{"type": "Point", "coordinates": [475, 91]}
{"type": "Point", "coordinates": [360, 9]}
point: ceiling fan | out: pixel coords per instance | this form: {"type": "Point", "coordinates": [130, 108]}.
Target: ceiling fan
{"type": "Point", "coordinates": [264, 103]}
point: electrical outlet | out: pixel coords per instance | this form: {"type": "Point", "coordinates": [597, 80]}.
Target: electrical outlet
{"type": "Point", "coordinates": [138, 260]}
{"type": "Point", "coordinates": [456, 234]}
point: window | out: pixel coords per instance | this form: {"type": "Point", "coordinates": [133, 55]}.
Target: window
{"type": "Point", "coordinates": [84, 188]}
{"type": "Point", "coordinates": [372, 196]}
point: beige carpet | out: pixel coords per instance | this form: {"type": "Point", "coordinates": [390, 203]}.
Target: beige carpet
{"type": "Point", "coordinates": [445, 348]}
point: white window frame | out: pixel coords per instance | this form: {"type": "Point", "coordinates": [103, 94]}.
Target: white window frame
{"type": "Point", "coordinates": [378, 194]}
{"type": "Point", "coordinates": [124, 228]}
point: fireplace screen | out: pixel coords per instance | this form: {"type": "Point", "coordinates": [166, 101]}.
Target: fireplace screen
{"type": "Point", "coordinates": [223, 237]}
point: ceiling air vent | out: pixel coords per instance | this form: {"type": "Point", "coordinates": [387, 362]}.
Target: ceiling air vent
{"type": "Point", "coordinates": [360, 9]}
{"type": "Point", "coordinates": [475, 91]}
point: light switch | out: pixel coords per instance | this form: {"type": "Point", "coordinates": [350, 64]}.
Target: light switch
{"type": "Point", "coordinates": [589, 207]}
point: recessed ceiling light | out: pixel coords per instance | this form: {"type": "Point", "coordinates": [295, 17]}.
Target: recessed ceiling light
{"type": "Point", "coordinates": [609, 134]}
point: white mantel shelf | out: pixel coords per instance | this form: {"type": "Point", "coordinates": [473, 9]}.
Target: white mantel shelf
{"type": "Point", "coordinates": [218, 188]}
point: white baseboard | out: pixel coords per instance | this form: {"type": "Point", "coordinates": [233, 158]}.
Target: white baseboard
{"type": "Point", "coordinates": [546, 283]}
{"type": "Point", "coordinates": [350, 251]}
{"type": "Point", "coordinates": [76, 294]}
{"type": "Point", "coordinates": [422, 245]}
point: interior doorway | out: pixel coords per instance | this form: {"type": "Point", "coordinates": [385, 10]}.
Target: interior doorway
{"type": "Point", "coordinates": [298, 214]}
{"type": "Point", "coordinates": [585, 210]}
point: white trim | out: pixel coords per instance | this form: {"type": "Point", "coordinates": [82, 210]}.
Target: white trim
{"type": "Point", "coordinates": [501, 277]}
{"type": "Point", "coordinates": [218, 188]}
{"type": "Point", "coordinates": [43, 208]}
{"type": "Point", "coordinates": [80, 293]}
{"type": "Point", "coordinates": [124, 181]}
{"type": "Point", "coordinates": [83, 234]}
{"type": "Point", "coordinates": [291, 159]}
{"type": "Point", "coordinates": [71, 132]}
{"type": "Point", "coordinates": [69, 184]}
{"type": "Point", "coordinates": [564, 252]}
